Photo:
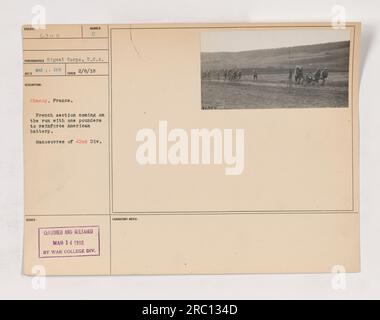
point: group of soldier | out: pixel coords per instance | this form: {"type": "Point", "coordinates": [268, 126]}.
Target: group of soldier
{"type": "Point", "coordinates": [300, 77]}
{"type": "Point", "coordinates": [234, 74]}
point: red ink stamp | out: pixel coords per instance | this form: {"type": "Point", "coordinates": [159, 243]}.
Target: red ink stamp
{"type": "Point", "coordinates": [69, 242]}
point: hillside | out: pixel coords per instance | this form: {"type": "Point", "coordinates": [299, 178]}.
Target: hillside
{"type": "Point", "coordinates": [334, 56]}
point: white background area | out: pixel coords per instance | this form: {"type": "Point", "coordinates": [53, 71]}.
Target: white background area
{"type": "Point", "coordinates": [13, 285]}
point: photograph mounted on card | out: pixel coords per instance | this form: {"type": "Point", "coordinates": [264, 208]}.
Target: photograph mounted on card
{"type": "Point", "coordinates": [191, 148]}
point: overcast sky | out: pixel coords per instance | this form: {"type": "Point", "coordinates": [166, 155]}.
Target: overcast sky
{"type": "Point", "coordinates": [244, 40]}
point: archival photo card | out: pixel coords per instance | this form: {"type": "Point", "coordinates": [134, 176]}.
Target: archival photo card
{"type": "Point", "coordinates": [126, 173]}
{"type": "Point", "coordinates": [275, 68]}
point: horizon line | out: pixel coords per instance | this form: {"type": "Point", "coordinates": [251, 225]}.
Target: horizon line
{"type": "Point", "coordinates": [278, 48]}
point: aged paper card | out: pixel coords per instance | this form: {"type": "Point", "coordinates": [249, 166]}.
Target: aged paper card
{"type": "Point", "coordinates": [191, 149]}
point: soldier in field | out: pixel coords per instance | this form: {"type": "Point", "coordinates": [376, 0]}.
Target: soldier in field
{"type": "Point", "coordinates": [255, 75]}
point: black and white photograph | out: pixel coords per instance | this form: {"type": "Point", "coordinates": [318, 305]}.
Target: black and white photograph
{"type": "Point", "coordinates": [271, 68]}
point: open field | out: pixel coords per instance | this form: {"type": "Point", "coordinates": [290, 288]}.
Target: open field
{"type": "Point", "coordinates": [273, 88]}
{"type": "Point", "coordinates": [273, 91]}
